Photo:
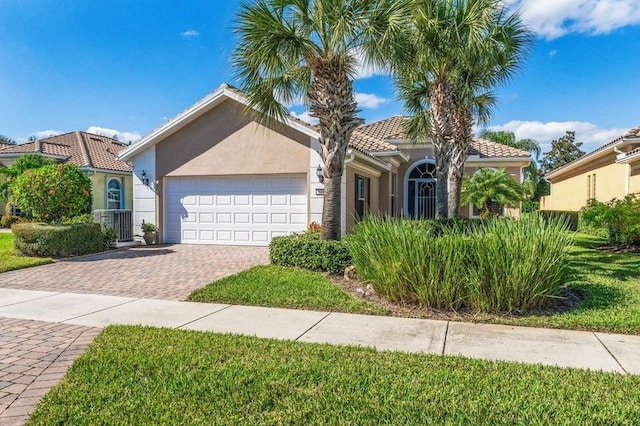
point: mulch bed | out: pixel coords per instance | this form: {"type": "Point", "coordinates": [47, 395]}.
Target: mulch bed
{"type": "Point", "coordinates": [360, 290]}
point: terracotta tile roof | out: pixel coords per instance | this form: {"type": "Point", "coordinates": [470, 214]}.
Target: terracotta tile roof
{"type": "Point", "coordinates": [633, 133]}
{"type": "Point", "coordinates": [485, 148]}
{"type": "Point", "coordinates": [80, 148]}
{"type": "Point", "coordinates": [375, 137]}
{"type": "Point", "coordinates": [5, 145]}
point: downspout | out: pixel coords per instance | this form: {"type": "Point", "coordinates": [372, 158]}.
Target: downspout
{"type": "Point", "coordinates": [343, 193]}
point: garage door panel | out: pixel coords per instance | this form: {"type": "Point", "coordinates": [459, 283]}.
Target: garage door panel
{"type": "Point", "coordinates": [240, 210]}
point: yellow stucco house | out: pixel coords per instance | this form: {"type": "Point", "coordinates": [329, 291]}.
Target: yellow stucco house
{"type": "Point", "coordinates": [111, 180]}
{"type": "Point", "coordinates": [611, 171]}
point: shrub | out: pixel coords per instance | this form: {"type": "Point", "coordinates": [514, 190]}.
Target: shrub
{"type": "Point", "coordinates": [109, 234]}
{"type": "Point", "coordinates": [497, 265]}
{"type": "Point", "coordinates": [620, 219]}
{"type": "Point", "coordinates": [42, 240]}
{"type": "Point", "coordinates": [51, 193]}
{"type": "Point", "coordinates": [310, 252]}
{"type": "Point", "coordinates": [8, 220]}
{"type": "Point", "coordinates": [570, 218]}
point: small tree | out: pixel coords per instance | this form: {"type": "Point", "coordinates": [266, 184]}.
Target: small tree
{"type": "Point", "coordinates": [7, 140]}
{"type": "Point", "coordinates": [52, 192]}
{"type": "Point", "coordinates": [563, 151]}
{"type": "Point", "coordinates": [25, 162]}
{"type": "Point", "coordinates": [487, 186]}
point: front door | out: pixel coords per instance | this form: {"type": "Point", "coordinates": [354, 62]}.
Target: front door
{"type": "Point", "coordinates": [425, 199]}
{"type": "Point", "coordinates": [421, 191]}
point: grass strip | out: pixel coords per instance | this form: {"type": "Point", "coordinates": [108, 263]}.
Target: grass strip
{"type": "Point", "coordinates": [283, 287]}
{"type": "Point", "coordinates": [135, 375]}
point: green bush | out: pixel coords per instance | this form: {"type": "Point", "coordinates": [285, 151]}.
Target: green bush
{"type": "Point", "coordinates": [495, 266]}
{"type": "Point", "coordinates": [310, 252]}
{"type": "Point", "coordinates": [570, 218]}
{"type": "Point", "coordinates": [617, 220]}
{"type": "Point", "coordinates": [8, 220]}
{"type": "Point", "coordinates": [42, 240]}
{"type": "Point", "coordinates": [52, 193]}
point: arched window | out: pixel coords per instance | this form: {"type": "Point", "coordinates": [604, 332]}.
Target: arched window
{"type": "Point", "coordinates": [114, 194]}
{"type": "Point", "coordinates": [421, 190]}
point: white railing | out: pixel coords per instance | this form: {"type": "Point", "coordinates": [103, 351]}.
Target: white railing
{"type": "Point", "coordinates": [120, 220]}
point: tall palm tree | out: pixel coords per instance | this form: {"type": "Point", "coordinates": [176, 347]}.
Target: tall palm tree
{"type": "Point", "coordinates": [460, 49]}
{"type": "Point", "coordinates": [289, 49]}
{"type": "Point", "coordinates": [487, 186]}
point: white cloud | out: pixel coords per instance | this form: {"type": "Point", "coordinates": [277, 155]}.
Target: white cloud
{"type": "Point", "coordinates": [553, 53]}
{"type": "Point", "coordinates": [592, 135]}
{"type": "Point", "coordinates": [305, 116]}
{"type": "Point", "coordinates": [46, 134]}
{"type": "Point", "coordinates": [369, 100]}
{"type": "Point", "coordinates": [555, 18]}
{"type": "Point", "coordinates": [111, 133]}
{"type": "Point", "coordinates": [364, 69]}
{"type": "Point", "coordinates": [190, 34]}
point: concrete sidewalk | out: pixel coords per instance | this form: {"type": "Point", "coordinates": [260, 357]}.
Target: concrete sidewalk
{"type": "Point", "coordinates": [578, 349]}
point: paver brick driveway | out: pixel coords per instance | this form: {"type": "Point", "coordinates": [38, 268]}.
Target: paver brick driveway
{"type": "Point", "coordinates": [159, 272]}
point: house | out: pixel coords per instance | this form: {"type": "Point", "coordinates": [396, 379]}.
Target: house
{"type": "Point", "coordinates": [611, 171]}
{"type": "Point", "coordinates": [213, 175]}
{"type": "Point", "coordinates": [111, 181]}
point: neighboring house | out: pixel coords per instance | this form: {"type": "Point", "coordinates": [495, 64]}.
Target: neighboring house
{"type": "Point", "coordinates": [112, 184]}
{"type": "Point", "coordinates": [611, 171]}
{"type": "Point", "coordinates": [213, 175]}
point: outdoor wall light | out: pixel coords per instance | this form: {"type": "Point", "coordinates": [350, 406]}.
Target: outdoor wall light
{"type": "Point", "coordinates": [320, 174]}
{"type": "Point", "coordinates": [144, 178]}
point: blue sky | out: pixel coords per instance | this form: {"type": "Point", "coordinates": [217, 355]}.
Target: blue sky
{"type": "Point", "coordinates": [123, 67]}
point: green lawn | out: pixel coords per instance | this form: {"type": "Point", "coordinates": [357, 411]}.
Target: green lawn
{"type": "Point", "coordinates": [285, 288]}
{"type": "Point", "coordinates": [10, 261]}
{"type": "Point", "coordinates": [608, 283]}
{"type": "Point", "coordinates": [135, 375]}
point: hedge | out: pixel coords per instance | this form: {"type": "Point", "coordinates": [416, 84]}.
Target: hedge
{"type": "Point", "coordinates": [42, 240]}
{"type": "Point", "coordinates": [310, 252]}
{"type": "Point", "coordinates": [571, 218]}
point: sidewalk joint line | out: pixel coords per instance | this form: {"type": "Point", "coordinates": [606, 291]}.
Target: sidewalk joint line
{"type": "Point", "coordinates": [31, 300]}
{"type": "Point", "coordinates": [313, 326]}
{"type": "Point", "coordinates": [446, 334]}
{"type": "Point", "coordinates": [610, 353]}
{"type": "Point", "coordinates": [202, 317]}
{"type": "Point", "coordinates": [99, 310]}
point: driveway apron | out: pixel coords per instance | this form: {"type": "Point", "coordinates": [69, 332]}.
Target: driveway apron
{"type": "Point", "coordinates": [160, 272]}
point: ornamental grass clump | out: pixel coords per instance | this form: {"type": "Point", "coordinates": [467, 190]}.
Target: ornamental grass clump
{"type": "Point", "coordinates": [498, 265]}
{"type": "Point", "coordinates": [405, 261]}
{"type": "Point", "coordinates": [517, 265]}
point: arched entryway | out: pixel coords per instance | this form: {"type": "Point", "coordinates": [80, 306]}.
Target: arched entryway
{"type": "Point", "coordinates": [420, 190]}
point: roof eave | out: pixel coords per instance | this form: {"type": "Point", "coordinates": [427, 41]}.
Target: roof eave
{"type": "Point", "coordinates": [398, 153]}
{"type": "Point", "coordinates": [584, 159]}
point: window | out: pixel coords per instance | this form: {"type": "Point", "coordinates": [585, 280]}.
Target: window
{"type": "Point", "coordinates": [114, 194]}
{"type": "Point", "coordinates": [394, 188]}
{"type": "Point", "coordinates": [362, 195]}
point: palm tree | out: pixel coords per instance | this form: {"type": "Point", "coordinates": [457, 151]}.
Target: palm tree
{"type": "Point", "coordinates": [310, 48]}
{"type": "Point", "coordinates": [488, 186]}
{"type": "Point", "coordinates": [459, 49]}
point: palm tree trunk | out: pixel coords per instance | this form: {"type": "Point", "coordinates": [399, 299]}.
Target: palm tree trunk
{"type": "Point", "coordinates": [463, 123]}
{"type": "Point", "coordinates": [442, 135]}
{"type": "Point", "coordinates": [332, 103]}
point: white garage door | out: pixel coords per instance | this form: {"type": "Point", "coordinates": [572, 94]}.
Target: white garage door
{"type": "Point", "coordinates": [248, 210]}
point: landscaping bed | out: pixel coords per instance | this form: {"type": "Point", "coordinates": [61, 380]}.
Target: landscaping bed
{"type": "Point", "coordinates": [135, 375]}
{"type": "Point", "coordinates": [602, 294]}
